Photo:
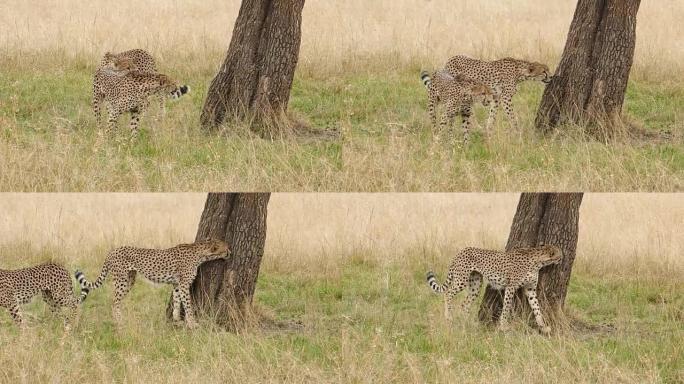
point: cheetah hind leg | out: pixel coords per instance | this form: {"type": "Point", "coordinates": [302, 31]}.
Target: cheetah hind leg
{"type": "Point", "coordinates": [162, 106]}
{"type": "Point", "coordinates": [176, 304]}
{"type": "Point", "coordinates": [474, 285]}
{"type": "Point", "coordinates": [457, 286]}
{"type": "Point", "coordinates": [50, 301]}
{"type": "Point", "coordinates": [506, 308]}
{"type": "Point", "coordinates": [121, 289]}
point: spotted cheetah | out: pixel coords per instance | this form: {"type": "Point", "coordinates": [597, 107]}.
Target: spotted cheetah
{"type": "Point", "coordinates": [128, 91]}
{"type": "Point", "coordinates": [134, 59]}
{"type": "Point", "coordinates": [502, 76]}
{"type": "Point", "coordinates": [176, 266]}
{"type": "Point", "coordinates": [52, 281]}
{"type": "Point", "coordinates": [458, 94]}
{"type": "Point", "coordinates": [509, 271]}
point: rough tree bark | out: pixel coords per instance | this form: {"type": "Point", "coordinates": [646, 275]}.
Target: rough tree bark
{"type": "Point", "coordinates": [224, 289]}
{"type": "Point", "coordinates": [541, 218]}
{"type": "Point", "coordinates": [590, 81]}
{"type": "Point", "coordinates": [256, 75]}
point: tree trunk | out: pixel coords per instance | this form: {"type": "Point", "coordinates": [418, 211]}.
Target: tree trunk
{"type": "Point", "coordinates": [256, 75]}
{"type": "Point", "coordinates": [224, 289]}
{"type": "Point", "coordinates": [590, 81]}
{"type": "Point", "coordinates": [541, 218]}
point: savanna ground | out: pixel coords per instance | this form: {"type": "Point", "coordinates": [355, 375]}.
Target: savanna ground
{"type": "Point", "coordinates": [347, 272]}
{"type": "Point", "coordinates": [358, 73]}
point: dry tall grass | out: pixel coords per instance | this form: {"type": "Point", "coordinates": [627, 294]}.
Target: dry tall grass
{"type": "Point", "coordinates": [337, 35]}
{"type": "Point", "coordinates": [357, 72]}
{"type": "Point", "coordinates": [350, 269]}
{"type": "Point", "coordinates": [316, 232]}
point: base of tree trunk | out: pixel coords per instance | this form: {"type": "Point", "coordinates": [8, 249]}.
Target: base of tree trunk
{"type": "Point", "coordinates": [285, 126]}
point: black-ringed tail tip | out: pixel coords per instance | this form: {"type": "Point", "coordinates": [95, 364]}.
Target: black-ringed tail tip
{"type": "Point", "coordinates": [180, 91]}
{"type": "Point", "coordinates": [425, 78]}
{"type": "Point", "coordinates": [430, 275]}
{"type": "Point", "coordinates": [83, 283]}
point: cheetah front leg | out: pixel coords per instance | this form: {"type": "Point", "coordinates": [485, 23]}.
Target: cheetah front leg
{"type": "Point", "coordinates": [71, 318]}
{"type": "Point", "coordinates": [466, 114]}
{"type": "Point", "coordinates": [506, 309]}
{"type": "Point", "coordinates": [97, 105]}
{"type": "Point", "coordinates": [135, 121]}
{"type": "Point", "coordinates": [534, 304]}
{"type": "Point", "coordinates": [187, 304]}
{"type": "Point", "coordinates": [507, 100]}
{"type": "Point", "coordinates": [111, 121]}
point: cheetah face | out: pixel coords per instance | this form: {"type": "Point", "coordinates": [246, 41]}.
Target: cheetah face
{"type": "Point", "coordinates": [118, 65]}
{"type": "Point", "coordinates": [550, 254]}
{"type": "Point", "coordinates": [537, 71]}
{"type": "Point", "coordinates": [483, 94]}
{"type": "Point", "coordinates": [215, 249]}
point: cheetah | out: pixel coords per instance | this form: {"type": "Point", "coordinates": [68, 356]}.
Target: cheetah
{"type": "Point", "coordinates": [509, 271]}
{"type": "Point", "coordinates": [134, 59]}
{"type": "Point", "coordinates": [458, 94]}
{"type": "Point", "coordinates": [51, 280]}
{"type": "Point", "coordinates": [128, 91]}
{"type": "Point", "coordinates": [502, 76]}
{"type": "Point", "coordinates": [176, 266]}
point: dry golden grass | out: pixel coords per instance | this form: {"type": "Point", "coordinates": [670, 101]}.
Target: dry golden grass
{"type": "Point", "coordinates": [350, 268]}
{"type": "Point", "coordinates": [636, 231]}
{"type": "Point", "coordinates": [336, 35]}
{"type": "Point", "coordinates": [357, 72]}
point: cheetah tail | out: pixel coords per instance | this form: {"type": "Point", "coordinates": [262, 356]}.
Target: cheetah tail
{"type": "Point", "coordinates": [425, 78]}
{"type": "Point", "coordinates": [436, 287]}
{"type": "Point", "coordinates": [83, 283]}
{"type": "Point", "coordinates": [180, 91]}
{"type": "Point", "coordinates": [87, 286]}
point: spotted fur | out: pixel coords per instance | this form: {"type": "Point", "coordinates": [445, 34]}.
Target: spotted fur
{"type": "Point", "coordinates": [458, 95]}
{"type": "Point", "coordinates": [51, 280]}
{"type": "Point", "coordinates": [509, 271]}
{"type": "Point", "coordinates": [502, 76]}
{"type": "Point", "coordinates": [134, 59]}
{"type": "Point", "coordinates": [176, 266]}
{"type": "Point", "coordinates": [125, 90]}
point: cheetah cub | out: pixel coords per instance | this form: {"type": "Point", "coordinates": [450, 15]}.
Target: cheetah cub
{"type": "Point", "coordinates": [176, 266]}
{"type": "Point", "coordinates": [52, 281]}
{"type": "Point", "coordinates": [509, 271]}
{"type": "Point", "coordinates": [458, 95]}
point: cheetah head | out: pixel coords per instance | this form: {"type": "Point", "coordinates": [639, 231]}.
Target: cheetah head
{"type": "Point", "coordinates": [536, 71]}
{"type": "Point", "coordinates": [117, 64]}
{"type": "Point", "coordinates": [549, 254]}
{"type": "Point", "coordinates": [482, 93]}
{"type": "Point", "coordinates": [214, 249]}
